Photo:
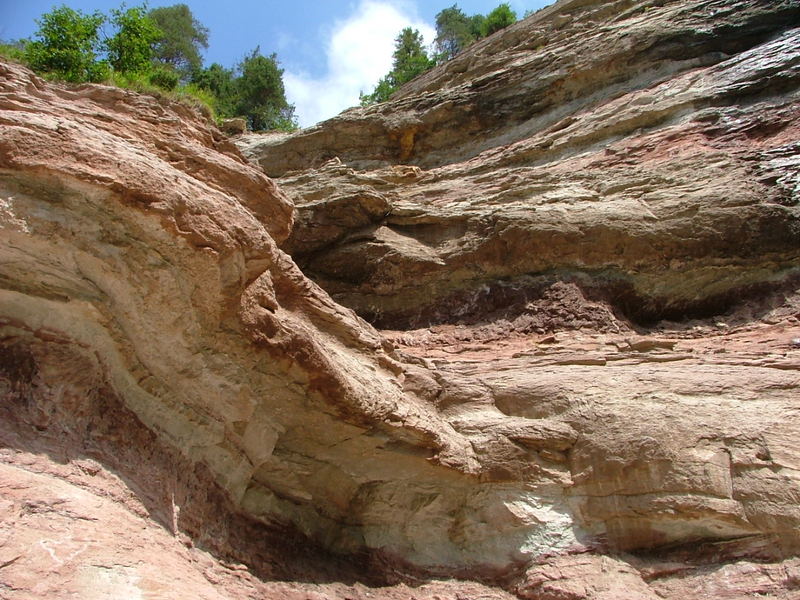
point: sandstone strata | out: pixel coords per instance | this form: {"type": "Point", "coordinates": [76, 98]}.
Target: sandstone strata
{"type": "Point", "coordinates": [646, 151]}
{"type": "Point", "coordinates": [583, 234]}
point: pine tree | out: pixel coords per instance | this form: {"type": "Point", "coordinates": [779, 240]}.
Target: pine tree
{"type": "Point", "coordinates": [260, 95]}
{"type": "Point", "coordinates": [410, 59]}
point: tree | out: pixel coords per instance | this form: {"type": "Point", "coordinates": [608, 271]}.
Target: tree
{"type": "Point", "coordinates": [182, 38]}
{"type": "Point", "coordinates": [131, 48]}
{"type": "Point", "coordinates": [476, 23]}
{"type": "Point", "coordinates": [381, 93]}
{"type": "Point", "coordinates": [410, 57]}
{"type": "Point", "coordinates": [409, 60]}
{"type": "Point", "coordinates": [254, 91]}
{"type": "Point", "coordinates": [66, 44]}
{"type": "Point", "coordinates": [453, 32]}
{"type": "Point", "coordinates": [260, 95]}
{"type": "Point", "coordinates": [500, 18]}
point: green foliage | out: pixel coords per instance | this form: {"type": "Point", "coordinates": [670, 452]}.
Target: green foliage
{"type": "Point", "coordinates": [182, 38]}
{"type": "Point", "coordinates": [66, 45]}
{"type": "Point", "coordinates": [164, 78]}
{"type": "Point", "coordinates": [153, 52]}
{"type": "Point", "coordinates": [381, 93]}
{"type": "Point", "coordinates": [197, 97]}
{"type": "Point", "coordinates": [13, 50]}
{"type": "Point", "coordinates": [454, 32]}
{"type": "Point", "coordinates": [130, 49]}
{"type": "Point", "coordinates": [410, 57]}
{"type": "Point", "coordinates": [476, 25]}
{"type": "Point", "coordinates": [260, 95]}
{"type": "Point", "coordinates": [187, 94]}
{"type": "Point", "coordinates": [139, 82]}
{"type": "Point", "coordinates": [500, 18]}
{"type": "Point", "coordinates": [254, 91]}
{"type": "Point", "coordinates": [409, 61]}
{"type": "Point", "coordinates": [219, 82]}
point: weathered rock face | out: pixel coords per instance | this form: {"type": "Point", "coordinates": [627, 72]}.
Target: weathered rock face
{"type": "Point", "coordinates": [162, 277]}
{"type": "Point", "coordinates": [524, 218]}
{"type": "Point", "coordinates": [647, 151]}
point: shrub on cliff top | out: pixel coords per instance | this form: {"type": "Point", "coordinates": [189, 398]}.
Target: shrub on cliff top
{"type": "Point", "coordinates": [253, 91]}
{"type": "Point", "coordinates": [66, 45]}
{"type": "Point", "coordinates": [456, 31]}
{"type": "Point", "coordinates": [260, 95]}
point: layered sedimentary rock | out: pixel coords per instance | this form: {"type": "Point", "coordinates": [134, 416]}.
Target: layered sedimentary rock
{"type": "Point", "coordinates": [581, 238]}
{"type": "Point", "coordinates": [146, 258]}
{"type": "Point", "coordinates": [646, 150]}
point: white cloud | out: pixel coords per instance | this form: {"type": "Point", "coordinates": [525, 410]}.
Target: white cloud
{"type": "Point", "coordinates": [359, 52]}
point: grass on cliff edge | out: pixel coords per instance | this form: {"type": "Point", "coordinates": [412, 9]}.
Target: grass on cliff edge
{"type": "Point", "coordinates": [12, 52]}
{"type": "Point", "coordinates": [189, 94]}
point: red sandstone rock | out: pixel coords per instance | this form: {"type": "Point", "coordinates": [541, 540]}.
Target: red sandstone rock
{"type": "Point", "coordinates": [591, 387]}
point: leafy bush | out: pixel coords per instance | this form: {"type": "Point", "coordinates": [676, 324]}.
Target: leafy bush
{"type": "Point", "coordinates": [254, 91]}
{"type": "Point", "coordinates": [260, 95]}
{"type": "Point", "coordinates": [164, 78]}
{"type": "Point", "coordinates": [218, 81]}
{"type": "Point", "coordinates": [455, 30]}
{"type": "Point", "coordinates": [66, 44]}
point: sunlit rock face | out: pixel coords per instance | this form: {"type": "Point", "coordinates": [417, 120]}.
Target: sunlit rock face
{"type": "Point", "coordinates": [647, 151]}
{"type": "Point", "coordinates": [530, 329]}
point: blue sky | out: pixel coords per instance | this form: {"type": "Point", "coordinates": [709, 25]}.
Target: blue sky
{"type": "Point", "coordinates": [330, 49]}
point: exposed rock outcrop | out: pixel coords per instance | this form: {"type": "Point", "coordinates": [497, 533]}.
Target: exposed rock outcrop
{"type": "Point", "coordinates": [524, 219]}
{"type": "Point", "coordinates": [647, 151]}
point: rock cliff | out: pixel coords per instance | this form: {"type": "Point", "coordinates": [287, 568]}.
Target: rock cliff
{"type": "Point", "coordinates": [646, 150]}
{"type": "Point", "coordinates": [579, 244]}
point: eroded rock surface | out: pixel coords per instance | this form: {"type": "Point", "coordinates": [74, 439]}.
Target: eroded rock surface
{"type": "Point", "coordinates": [580, 238]}
{"type": "Point", "coordinates": [646, 151]}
